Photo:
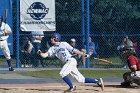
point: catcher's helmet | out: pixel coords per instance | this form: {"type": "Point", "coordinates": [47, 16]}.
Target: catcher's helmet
{"type": "Point", "coordinates": [1, 17]}
{"type": "Point", "coordinates": [56, 36]}
{"type": "Point", "coordinates": [128, 49]}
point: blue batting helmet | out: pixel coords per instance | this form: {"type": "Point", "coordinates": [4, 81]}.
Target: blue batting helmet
{"type": "Point", "coordinates": [56, 36]}
{"type": "Point", "coordinates": [1, 17]}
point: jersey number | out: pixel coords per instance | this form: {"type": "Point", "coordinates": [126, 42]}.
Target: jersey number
{"type": "Point", "coordinates": [64, 54]}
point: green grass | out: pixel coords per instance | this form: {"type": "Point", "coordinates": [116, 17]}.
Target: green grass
{"type": "Point", "coordinates": [94, 63]}
{"type": "Point", "coordinates": [3, 60]}
{"type": "Point", "coordinates": [114, 60]}
{"type": "Point", "coordinates": [86, 73]}
{"type": "Point", "coordinates": [116, 63]}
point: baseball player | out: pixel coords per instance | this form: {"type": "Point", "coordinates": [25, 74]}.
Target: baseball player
{"type": "Point", "coordinates": [62, 51]}
{"type": "Point", "coordinates": [5, 31]}
{"type": "Point", "coordinates": [134, 65]}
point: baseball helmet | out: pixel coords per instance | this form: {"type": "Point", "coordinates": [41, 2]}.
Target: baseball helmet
{"type": "Point", "coordinates": [128, 49]}
{"type": "Point", "coordinates": [56, 36]}
{"type": "Point", "coordinates": [1, 17]}
{"type": "Point", "coordinates": [73, 40]}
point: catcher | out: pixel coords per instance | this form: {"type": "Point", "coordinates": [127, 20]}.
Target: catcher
{"type": "Point", "coordinates": [134, 65]}
{"type": "Point", "coordinates": [62, 50]}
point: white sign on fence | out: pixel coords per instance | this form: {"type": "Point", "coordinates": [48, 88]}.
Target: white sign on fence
{"type": "Point", "coordinates": [37, 15]}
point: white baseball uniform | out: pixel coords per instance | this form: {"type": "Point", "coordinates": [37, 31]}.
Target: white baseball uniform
{"type": "Point", "coordinates": [3, 40]}
{"type": "Point", "coordinates": [62, 52]}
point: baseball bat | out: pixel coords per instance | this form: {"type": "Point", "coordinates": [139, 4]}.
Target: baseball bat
{"type": "Point", "coordinates": [103, 60]}
{"type": "Point", "coordinates": [5, 19]}
{"type": "Point", "coordinates": [6, 15]}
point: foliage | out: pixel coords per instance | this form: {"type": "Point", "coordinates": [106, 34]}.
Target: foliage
{"type": "Point", "coordinates": [107, 16]}
{"type": "Point", "coordinates": [114, 16]}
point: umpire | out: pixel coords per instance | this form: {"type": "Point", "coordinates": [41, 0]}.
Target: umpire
{"type": "Point", "coordinates": [134, 65]}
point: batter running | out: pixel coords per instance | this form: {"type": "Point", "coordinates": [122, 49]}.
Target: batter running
{"type": "Point", "coordinates": [62, 50]}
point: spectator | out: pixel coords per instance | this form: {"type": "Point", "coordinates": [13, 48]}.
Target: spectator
{"type": "Point", "coordinates": [135, 45]}
{"type": "Point", "coordinates": [26, 49]}
{"type": "Point", "coordinates": [126, 42]}
{"type": "Point", "coordinates": [107, 46]}
{"type": "Point", "coordinates": [91, 51]}
{"type": "Point", "coordinates": [96, 47]}
{"type": "Point", "coordinates": [73, 43]}
{"type": "Point", "coordinates": [36, 41]}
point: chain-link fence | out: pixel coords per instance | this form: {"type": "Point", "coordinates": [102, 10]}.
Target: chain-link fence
{"type": "Point", "coordinates": [110, 22]}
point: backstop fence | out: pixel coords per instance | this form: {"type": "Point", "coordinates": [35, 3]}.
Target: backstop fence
{"type": "Point", "coordinates": [110, 21]}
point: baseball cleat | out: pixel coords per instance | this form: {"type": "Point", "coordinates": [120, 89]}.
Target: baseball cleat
{"type": "Point", "coordinates": [100, 83]}
{"type": "Point", "coordinates": [71, 89]}
{"type": "Point", "coordinates": [11, 69]}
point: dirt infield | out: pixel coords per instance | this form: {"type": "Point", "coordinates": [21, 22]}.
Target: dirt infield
{"type": "Point", "coordinates": [11, 82]}
{"type": "Point", "coordinates": [112, 87]}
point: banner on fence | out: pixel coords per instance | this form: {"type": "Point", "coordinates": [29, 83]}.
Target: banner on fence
{"type": "Point", "coordinates": [6, 12]}
{"type": "Point", "coordinates": [37, 15]}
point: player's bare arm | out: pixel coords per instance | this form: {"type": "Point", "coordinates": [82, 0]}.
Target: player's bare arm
{"type": "Point", "coordinates": [81, 53]}
{"type": "Point", "coordinates": [134, 68]}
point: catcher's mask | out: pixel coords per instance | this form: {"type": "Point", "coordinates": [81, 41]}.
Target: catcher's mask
{"type": "Point", "coordinates": [128, 50]}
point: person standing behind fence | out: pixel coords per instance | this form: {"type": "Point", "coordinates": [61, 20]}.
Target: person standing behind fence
{"type": "Point", "coordinates": [91, 51]}
{"type": "Point", "coordinates": [73, 43]}
{"type": "Point", "coordinates": [96, 47]}
{"type": "Point", "coordinates": [135, 46]}
{"type": "Point", "coordinates": [5, 31]}
{"type": "Point", "coordinates": [127, 42]}
{"type": "Point", "coordinates": [36, 41]}
{"type": "Point", "coordinates": [26, 48]}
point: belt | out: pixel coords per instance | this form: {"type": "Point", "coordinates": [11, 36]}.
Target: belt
{"type": "Point", "coordinates": [1, 40]}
